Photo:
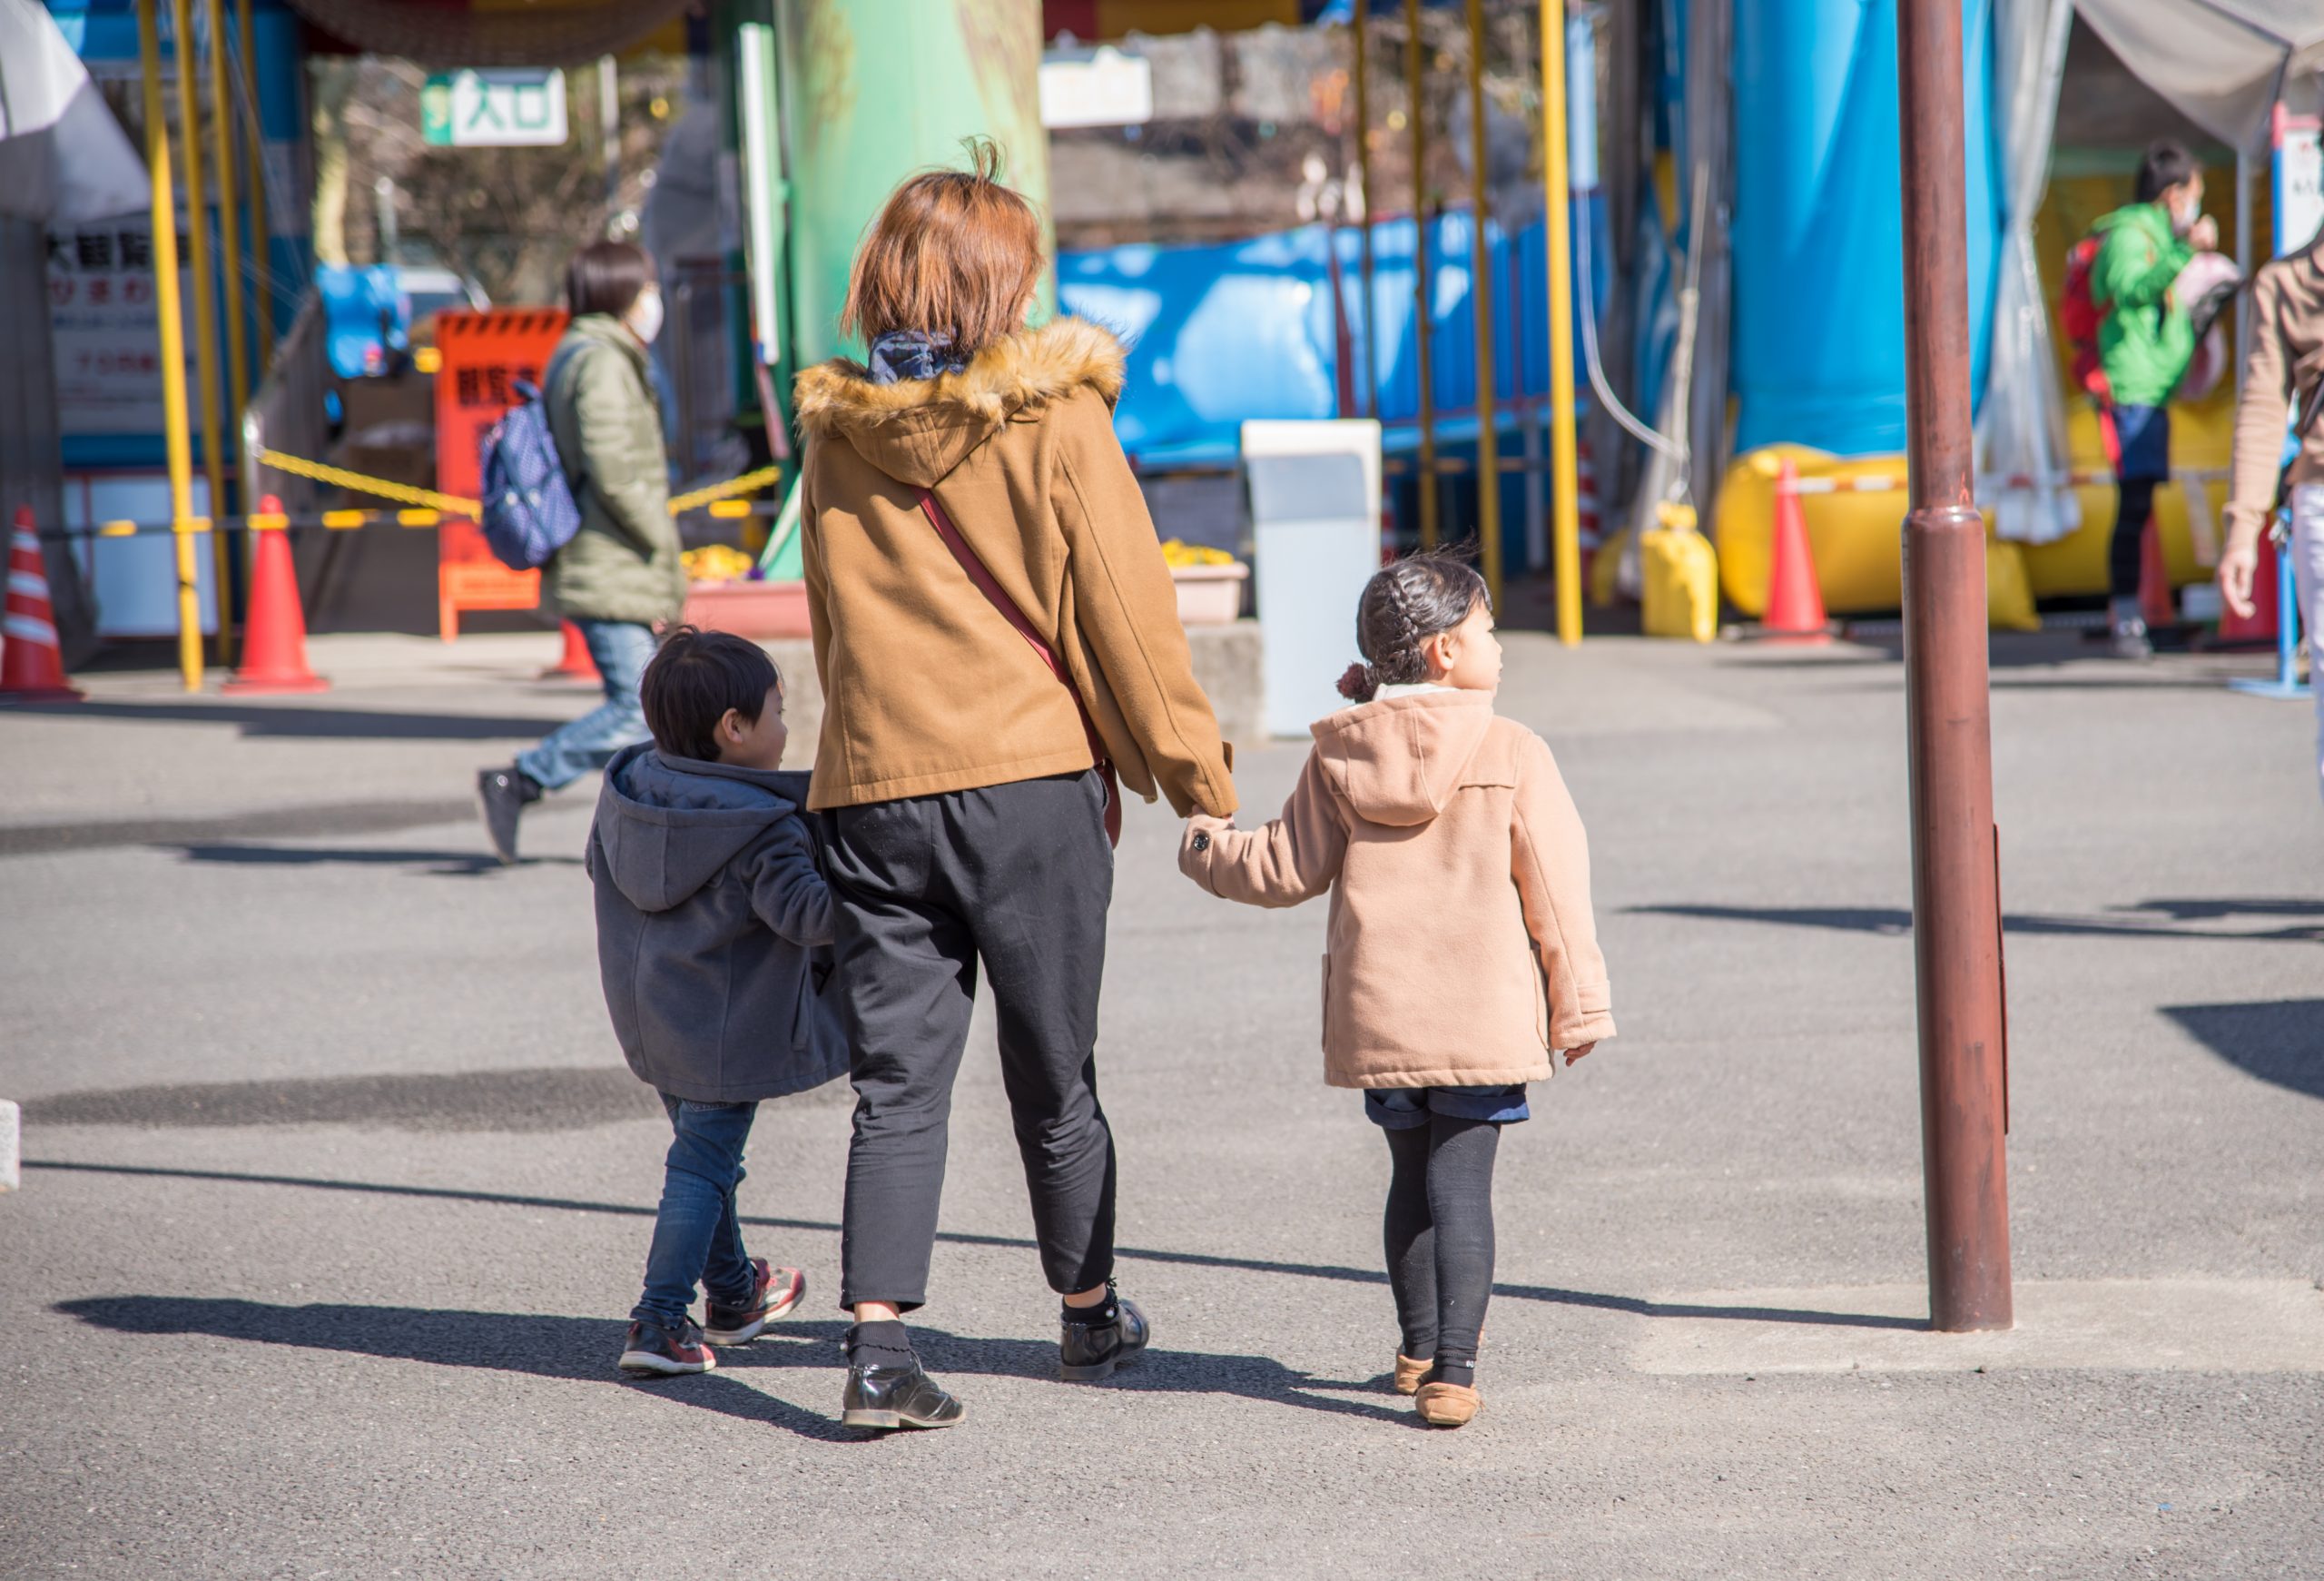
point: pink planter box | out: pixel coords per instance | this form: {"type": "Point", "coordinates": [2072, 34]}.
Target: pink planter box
{"type": "Point", "coordinates": [1209, 595]}
{"type": "Point", "coordinates": [753, 609]}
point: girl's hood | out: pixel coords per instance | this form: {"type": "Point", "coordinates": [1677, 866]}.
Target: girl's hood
{"type": "Point", "coordinates": [918, 430]}
{"type": "Point", "coordinates": [1399, 760]}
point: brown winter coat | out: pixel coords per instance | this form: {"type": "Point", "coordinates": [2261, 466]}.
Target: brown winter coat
{"type": "Point", "coordinates": [1462, 948]}
{"type": "Point", "coordinates": [926, 685]}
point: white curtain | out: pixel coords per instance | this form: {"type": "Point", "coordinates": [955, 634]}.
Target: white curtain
{"type": "Point", "coordinates": [2021, 428]}
{"type": "Point", "coordinates": [63, 156]}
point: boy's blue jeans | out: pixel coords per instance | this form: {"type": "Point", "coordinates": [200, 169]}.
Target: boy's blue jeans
{"type": "Point", "coordinates": [697, 1234]}
{"type": "Point", "coordinates": [620, 650]}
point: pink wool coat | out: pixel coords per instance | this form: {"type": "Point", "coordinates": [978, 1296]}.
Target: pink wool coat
{"type": "Point", "coordinates": [1462, 946]}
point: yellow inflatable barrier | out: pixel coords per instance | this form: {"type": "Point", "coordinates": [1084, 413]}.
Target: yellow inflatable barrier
{"type": "Point", "coordinates": [1855, 510]}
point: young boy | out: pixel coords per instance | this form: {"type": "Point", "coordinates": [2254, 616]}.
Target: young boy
{"type": "Point", "coordinates": [713, 928]}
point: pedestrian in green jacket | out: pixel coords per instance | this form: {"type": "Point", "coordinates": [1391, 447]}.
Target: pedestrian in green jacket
{"type": "Point", "coordinates": [2145, 341]}
{"type": "Point", "coordinates": [620, 576]}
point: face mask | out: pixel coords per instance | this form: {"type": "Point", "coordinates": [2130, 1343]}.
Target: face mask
{"type": "Point", "coordinates": [644, 315]}
{"type": "Point", "coordinates": [2183, 217]}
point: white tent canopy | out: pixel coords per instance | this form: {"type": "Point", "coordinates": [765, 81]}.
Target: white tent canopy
{"type": "Point", "coordinates": [2223, 62]}
{"type": "Point", "coordinates": [63, 156]}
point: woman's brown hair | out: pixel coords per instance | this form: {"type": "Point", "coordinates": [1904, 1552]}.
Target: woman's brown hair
{"type": "Point", "coordinates": [606, 277]}
{"type": "Point", "coordinates": [953, 252]}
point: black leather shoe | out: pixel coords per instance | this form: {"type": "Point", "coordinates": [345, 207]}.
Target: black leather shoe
{"type": "Point", "coordinates": [897, 1396]}
{"type": "Point", "coordinates": [1089, 1351]}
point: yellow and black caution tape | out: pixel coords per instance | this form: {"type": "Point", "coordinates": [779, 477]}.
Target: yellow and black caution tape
{"type": "Point", "coordinates": [427, 500]}
{"type": "Point", "coordinates": [748, 483]}
{"type": "Point", "coordinates": [385, 488]}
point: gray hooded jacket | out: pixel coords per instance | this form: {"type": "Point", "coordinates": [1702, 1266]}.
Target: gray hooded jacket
{"type": "Point", "coordinates": [714, 929]}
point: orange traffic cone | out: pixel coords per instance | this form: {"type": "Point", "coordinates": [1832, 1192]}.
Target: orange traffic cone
{"type": "Point", "coordinates": [274, 642]}
{"type": "Point", "coordinates": [2156, 605]}
{"type": "Point", "coordinates": [1794, 611]}
{"type": "Point", "coordinates": [576, 665]}
{"type": "Point", "coordinates": [31, 667]}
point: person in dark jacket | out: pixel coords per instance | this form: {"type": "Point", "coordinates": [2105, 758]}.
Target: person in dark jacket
{"type": "Point", "coordinates": [713, 928]}
{"type": "Point", "coordinates": [620, 577]}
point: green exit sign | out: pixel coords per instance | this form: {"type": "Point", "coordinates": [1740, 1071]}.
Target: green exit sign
{"type": "Point", "coordinates": [494, 107]}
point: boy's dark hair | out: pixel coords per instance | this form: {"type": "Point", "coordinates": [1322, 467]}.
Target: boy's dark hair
{"type": "Point", "coordinates": [693, 679]}
{"type": "Point", "coordinates": [606, 277]}
{"type": "Point", "coordinates": [1403, 607]}
{"type": "Point", "coordinates": [2166, 164]}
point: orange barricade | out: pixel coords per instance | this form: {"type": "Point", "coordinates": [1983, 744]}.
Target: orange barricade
{"type": "Point", "coordinates": [485, 354]}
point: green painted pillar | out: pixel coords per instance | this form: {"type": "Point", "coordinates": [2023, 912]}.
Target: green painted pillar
{"type": "Point", "coordinates": [875, 90]}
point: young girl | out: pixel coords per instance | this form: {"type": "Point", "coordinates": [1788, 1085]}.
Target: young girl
{"type": "Point", "coordinates": [1462, 947]}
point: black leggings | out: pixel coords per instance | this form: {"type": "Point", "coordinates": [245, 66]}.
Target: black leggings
{"type": "Point", "coordinates": [2125, 551]}
{"type": "Point", "coordinates": [1439, 1233]}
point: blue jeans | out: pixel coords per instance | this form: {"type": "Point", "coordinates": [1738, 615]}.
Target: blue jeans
{"type": "Point", "coordinates": [620, 649]}
{"type": "Point", "coordinates": [696, 1233]}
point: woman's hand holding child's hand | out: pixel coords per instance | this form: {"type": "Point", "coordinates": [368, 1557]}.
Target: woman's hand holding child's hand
{"type": "Point", "coordinates": [1573, 1055]}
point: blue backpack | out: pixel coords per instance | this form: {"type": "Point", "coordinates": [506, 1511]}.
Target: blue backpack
{"type": "Point", "coordinates": [528, 511]}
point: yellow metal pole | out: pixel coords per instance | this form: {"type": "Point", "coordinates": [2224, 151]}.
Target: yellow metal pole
{"type": "Point", "coordinates": [172, 341]}
{"type": "Point", "coordinates": [1416, 114]}
{"type": "Point", "coordinates": [1481, 295]}
{"type": "Point", "coordinates": [229, 251]}
{"type": "Point", "coordinates": [254, 172]}
{"type": "Point", "coordinates": [205, 315]}
{"type": "Point", "coordinates": [1557, 191]}
{"type": "Point", "coordinates": [1371, 402]}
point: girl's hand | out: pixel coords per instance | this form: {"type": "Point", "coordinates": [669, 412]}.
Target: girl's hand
{"type": "Point", "coordinates": [2238, 563]}
{"type": "Point", "coordinates": [1573, 1055]}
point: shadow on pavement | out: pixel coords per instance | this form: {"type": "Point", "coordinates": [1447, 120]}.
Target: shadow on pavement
{"type": "Point", "coordinates": [307, 721]}
{"type": "Point", "coordinates": [2147, 920]}
{"type": "Point", "coordinates": [580, 1349]}
{"type": "Point", "coordinates": [557, 1098]}
{"type": "Point", "coordinates": [429, 863]}
{"type": "Point", "coordinates": [265, 824]}
{"type": "Point", "coordinates": [1635, 1305]}
{"type": "Point", "coordinates": [2280, 1040]}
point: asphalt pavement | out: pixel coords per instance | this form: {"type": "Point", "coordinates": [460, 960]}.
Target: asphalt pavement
{"type": "Point", "coordinates": [335, 1191]}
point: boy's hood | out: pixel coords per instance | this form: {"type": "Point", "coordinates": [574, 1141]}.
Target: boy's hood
{"type": "Point", "coordinates": [1399, 760]}
{"type": "Point", "coordinates": [918, 430]}
{"type": "Point", "coordinates": [668, 824]}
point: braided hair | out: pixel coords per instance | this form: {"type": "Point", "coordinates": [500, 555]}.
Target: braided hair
{"type": "Point", "coordinates": [1403, 607]}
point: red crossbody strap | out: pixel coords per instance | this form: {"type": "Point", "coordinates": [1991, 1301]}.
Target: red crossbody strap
{"type": "Point", "coordinates": [997, 597]}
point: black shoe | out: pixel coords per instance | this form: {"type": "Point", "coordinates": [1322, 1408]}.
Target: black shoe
{"type": "Point", "coordinates": [652, 1350]}
{"type": "Point", "coordinates": [773, 1293]}
{"type": "Point", "coordinates": [1089, 1351]}
{"type": "Point", "coordinates": [897, 1396]}
{"type": "Point", "coordinates": [501, 797]}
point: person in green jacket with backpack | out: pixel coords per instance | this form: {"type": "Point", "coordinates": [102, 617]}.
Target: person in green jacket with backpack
{"type": "Point", "coordinates": [2145, 342]}
{"type": "Point", "coordinates": [620, 576]}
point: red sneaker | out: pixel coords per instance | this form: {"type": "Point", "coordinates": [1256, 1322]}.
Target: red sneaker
{"type": "Point", "coordinates": [655, 1351]}
{"type": "Point", "coordinates": [778, 1291]}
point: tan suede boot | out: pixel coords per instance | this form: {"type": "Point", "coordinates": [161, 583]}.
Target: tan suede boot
{"type": "Point", "coordinates": [1408, 1373]}
{"type": "Point", "coordinates": [1446, 1405]}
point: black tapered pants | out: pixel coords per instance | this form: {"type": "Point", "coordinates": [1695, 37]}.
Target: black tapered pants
{"type": "Point", "coordinates": [1017, 877]}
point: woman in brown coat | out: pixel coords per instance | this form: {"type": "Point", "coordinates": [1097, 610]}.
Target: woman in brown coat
{"type": "Point", "coordinates": [998, 639]}
{"type": "Point", "coordinates": [1462, 949]}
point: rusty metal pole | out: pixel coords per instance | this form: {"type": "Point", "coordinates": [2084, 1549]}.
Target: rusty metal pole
{"type": "Point", "coordinates": [1362, 25]}
{"type": "Point", "coordinates": [1956, 900]}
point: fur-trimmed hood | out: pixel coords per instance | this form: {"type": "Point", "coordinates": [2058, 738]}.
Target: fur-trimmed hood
{"type": "Point", "coordinates": [918, 430]}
